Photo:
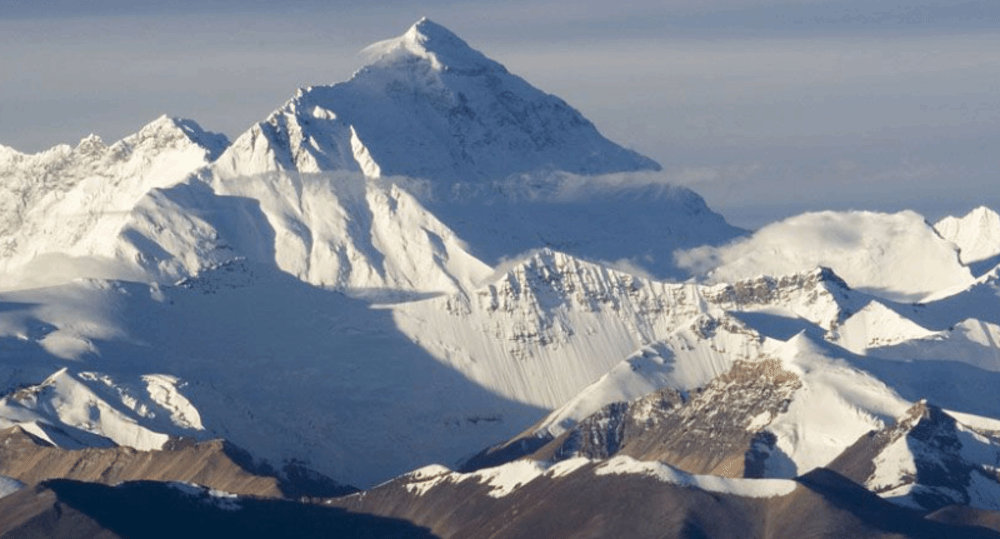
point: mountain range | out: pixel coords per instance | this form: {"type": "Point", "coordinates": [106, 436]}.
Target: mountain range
{"type": "Point", "coordinates": [434, 301]}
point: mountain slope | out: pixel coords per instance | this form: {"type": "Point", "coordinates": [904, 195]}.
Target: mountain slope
{"type": "Point", "coordinates": [927, 460]}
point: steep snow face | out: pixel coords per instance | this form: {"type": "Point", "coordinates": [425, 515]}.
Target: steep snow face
{"type": "Point", "coordinates": [285, 368]}
{"type": "Point", "coordinates": [61, 208]}
{"type": "Point", "coordinates": [553, 324]}
{"type": "Point", "coordinates": [553, 329]}
{"type": "Point", "coordinates": [897, 256]}
{"type": "Point", "coordinates": [688, 358]}
{"type": "Point", "coordinates": [334, 230]}
{"type": "Point", "coordinates": [445, 374]}
{"type": "Point", "coordinates": [428, 107]}
{"type": "Point", "coordinates": [977, 234]}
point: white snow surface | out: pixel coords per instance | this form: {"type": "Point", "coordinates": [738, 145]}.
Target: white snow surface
{"type": "Point", "coordinates": [977, 234]}
{"type": "Point", "coordinates": [877, 326]}
{"type": "Point", "coordinates": [896, 256]}
{"type": "Point", "coordinates": [901, 465]}
{"type": "Point", "coordinates": [749, 488]}
{"type": "Point", "coordinates": [502, 480]}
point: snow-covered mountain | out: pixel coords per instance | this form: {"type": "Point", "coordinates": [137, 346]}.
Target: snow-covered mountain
{"type": "Point", "coordinates": [246, 259]}
{"type": "Point", "coordinates": [430, 107]}
{"type": "Point", "coordinates": [61, 210]}
{"type": "Point", "coordinates": [977, 236]}
{"type": "Point", "coordinates": [436, 263]}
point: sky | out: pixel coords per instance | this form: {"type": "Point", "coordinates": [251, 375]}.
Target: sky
{"type": "Point", "coordinates": [767, 108]}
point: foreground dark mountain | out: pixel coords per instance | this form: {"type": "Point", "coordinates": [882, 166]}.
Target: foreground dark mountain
{"type": "Point", "coordinates": [621, 498]}
{"type": "Point", "coordinates": [625, 498]}
{"type": "Point", "coordinates": [68, 509]}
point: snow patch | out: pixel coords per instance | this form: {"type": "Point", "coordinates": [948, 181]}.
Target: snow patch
{"type": "Point", "coordinates": [750, 488]}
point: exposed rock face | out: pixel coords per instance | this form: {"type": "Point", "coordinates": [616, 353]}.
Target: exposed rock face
{"type": "Point", "coordinates": [928, 460]}
{"type": "Point", "coordinates": [717, 429]}
{"type": "Point", "coordinates": [712, 431]}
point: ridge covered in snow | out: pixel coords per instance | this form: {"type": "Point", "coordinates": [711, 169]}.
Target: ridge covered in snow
{"type": "Point", "coordinates": [62, 210]}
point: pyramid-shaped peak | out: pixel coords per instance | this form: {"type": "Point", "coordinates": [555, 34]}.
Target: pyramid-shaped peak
{"type": "Point", "coordinates": [432, 34]}
{"type": "Point", "coordinates": [165, 129]}
{"type": "Point", "coordinates": [430, 41]}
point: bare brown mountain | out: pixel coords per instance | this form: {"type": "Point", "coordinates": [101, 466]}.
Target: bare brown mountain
{"type": "Point", "coordinates": [66, 509]}
{"type": "Point", "coordinates": [216, 464]}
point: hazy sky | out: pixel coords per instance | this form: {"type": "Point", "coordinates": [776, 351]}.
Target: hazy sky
{"type": "Point", "coordinates": [765, 107]}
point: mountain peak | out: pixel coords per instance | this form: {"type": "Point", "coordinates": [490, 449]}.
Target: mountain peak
{"type": "Point", "coordinates": [977, 234]}
{"type": "Point", "coordinates": [426, 31]}
{"type": "Point", "coordinates": [91, 145]}
{"type": "Point", "coordinates": [434, 43]}
{"type": "Point", "coordinates": [167, 128]}
{"type": "Point", "coordinates": [429, 106]}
